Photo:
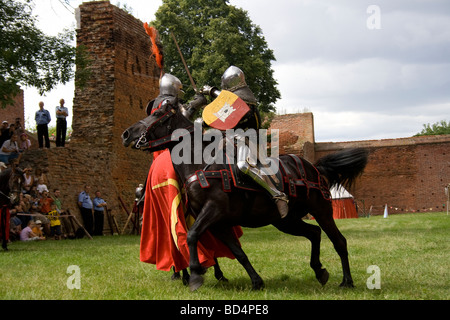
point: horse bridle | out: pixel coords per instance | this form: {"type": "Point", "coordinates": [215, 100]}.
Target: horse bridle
{"type": "Point", "coordinates": [144, 143]}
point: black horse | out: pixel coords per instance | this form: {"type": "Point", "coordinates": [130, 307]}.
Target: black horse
{"type": "Point", "coordinates": [10, 188]}
{"type": "Point", "coordinates": [218, 210]}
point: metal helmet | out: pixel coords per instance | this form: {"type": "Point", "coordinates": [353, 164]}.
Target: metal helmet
{"type": "Point", "coordinates": [233, 77]}
{"type": "Point", "coordinates": [171, 86]}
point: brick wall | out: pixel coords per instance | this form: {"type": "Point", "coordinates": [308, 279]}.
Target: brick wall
{"type": "Point", "coordinates": [296, 134]}
{"type": "Point", "coordinates": [408, 174]}
{"type": "Point", "coordinates": [10, 113]}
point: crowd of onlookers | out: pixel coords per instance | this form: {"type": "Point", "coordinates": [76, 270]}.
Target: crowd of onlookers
{"type": "Point", "coordinates": [37, 215]}
{"type": "Point", "coordinates": [13, 141]}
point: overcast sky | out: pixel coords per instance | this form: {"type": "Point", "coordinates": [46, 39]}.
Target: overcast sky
{"type": "Point", "coordinates": [366, 69]}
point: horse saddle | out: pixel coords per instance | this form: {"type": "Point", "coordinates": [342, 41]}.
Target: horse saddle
{"type": "Point", "coordinates": [242, 181]}
{"type": "Point", "coordinates": [232, 176]}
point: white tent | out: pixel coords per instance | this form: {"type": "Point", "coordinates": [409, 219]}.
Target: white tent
{"type": "Point", "coordinates": [343, 202]}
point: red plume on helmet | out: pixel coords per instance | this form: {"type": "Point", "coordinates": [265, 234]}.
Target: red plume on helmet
{"type": "Point", "coordinates": [156, 45]}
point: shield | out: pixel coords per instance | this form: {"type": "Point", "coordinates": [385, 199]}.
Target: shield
{"type": "Point", "coordinates": [225, 111]}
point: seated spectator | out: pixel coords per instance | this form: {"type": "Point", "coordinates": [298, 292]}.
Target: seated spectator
{"type": "Point", "coordinates": [41, 187]}
{"type": "Point", "coordinates": [15, 227]}
{"type": "Point", "coordinates": [12, 130]}
{"type": "Point", "coordinates": [33, 193]}
{"type": "Point", "coordinates": [37, 230]}
{"type": "Point", "coordinates": [24, 219]}
{"type": "Point", "coordinates": [44, 207]}
{"type": "Point", "coordinates": [27, 234]}
{"type": "Point", "coordinates": [28, 180]}
{"type": "Point", "coordinates": [24, 142]}
{"type": "Point", "coordinates": [10, 150]}
{"type": "Point", "coordinates": [39, 174]}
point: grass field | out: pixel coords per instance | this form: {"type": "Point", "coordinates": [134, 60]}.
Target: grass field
{"type": "Point", "coordinates": [411, 251]}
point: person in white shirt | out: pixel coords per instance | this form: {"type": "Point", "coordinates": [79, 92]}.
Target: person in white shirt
{"type": "Point", "coordinates": [10, 150]}
{"type": "Point", "coordinates": [61, 124]}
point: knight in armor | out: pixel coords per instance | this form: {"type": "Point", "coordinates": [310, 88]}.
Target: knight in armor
{"type": "Point", "coordinates": [233, 80]}
{"type": "Point", "coordinates": [171, 91]}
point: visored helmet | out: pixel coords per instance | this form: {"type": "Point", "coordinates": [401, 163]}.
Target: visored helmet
{"type": "Point", "coordinates": [171, 86]}
{"type": "Point", "coordinates": [233, 77]}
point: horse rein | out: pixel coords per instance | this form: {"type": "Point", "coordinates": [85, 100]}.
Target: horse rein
{"type": "Point", "coordinates": [143, 143]}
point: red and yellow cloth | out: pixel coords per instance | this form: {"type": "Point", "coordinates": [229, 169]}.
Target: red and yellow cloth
{"type": "Point", "coordinates": [164, 228]}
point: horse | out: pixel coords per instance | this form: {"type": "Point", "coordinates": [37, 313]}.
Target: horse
{"type": "Point", "coordinates": [10, 188]}
{"type": "Point", "coordinates": [218, 210]}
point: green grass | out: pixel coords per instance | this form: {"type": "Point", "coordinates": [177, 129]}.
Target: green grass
{"type": "Point", "coordinates": [411, 250]}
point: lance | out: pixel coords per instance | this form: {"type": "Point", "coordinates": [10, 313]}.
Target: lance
{"type": "Point", "coordinates": [184, 62]}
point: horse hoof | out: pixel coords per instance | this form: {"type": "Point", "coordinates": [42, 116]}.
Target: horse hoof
{"type": "Point", "coordinates": [323, 277]}
{"type": "Point", "coordinates": [222, 279]}
{"type": "Point", "coordinates": [186, 280]}
{"type": "Point", "coordinates": [176, 276]}
{"type": "Point", "coordinates": [195, 282]}
{"type": "Point", "coordinates": [258, 285]}
{"type": "Point", "coordinates": [347, 284]}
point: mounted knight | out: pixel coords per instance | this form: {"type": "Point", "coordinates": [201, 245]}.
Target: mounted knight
{"type": "Point", "coordinates": [235, 107]}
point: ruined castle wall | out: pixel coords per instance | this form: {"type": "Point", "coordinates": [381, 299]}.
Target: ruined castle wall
{"type": "Point", "coordinates": [408, 174]}
{"type": "Point", "coordinates": [296, 134]}
{"type": "Point", "coordinates": [17, 110]}
{"type": "Point", "coordinates": [123, 79]}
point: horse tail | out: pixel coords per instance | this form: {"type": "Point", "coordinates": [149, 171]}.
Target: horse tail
{"type": "Point", "coordinates": [343, 167]}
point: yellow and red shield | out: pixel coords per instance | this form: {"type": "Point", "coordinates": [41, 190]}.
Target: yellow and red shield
{"type": "Point", "coordinates": [225, 111]}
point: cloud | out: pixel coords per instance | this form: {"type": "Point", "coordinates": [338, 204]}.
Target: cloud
{"type": "Point", "coordinates": [360, 83]}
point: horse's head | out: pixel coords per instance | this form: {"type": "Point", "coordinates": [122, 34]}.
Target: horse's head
{"type": "Point", "coordinates": [11, 185]}
{"type": "Point", "coordinates": [155, 131]}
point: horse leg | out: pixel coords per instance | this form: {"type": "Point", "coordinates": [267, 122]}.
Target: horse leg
{"type": "Point", "coordinates": [326, 222]}
{"type": "Point", "coordinates": [177, 276]}
{"type": "Point", "coordinates": [218, 272]}
{"type": "Point", "coordinates": [228, 238]}
{"type": "Point", "coordinates": [201, 224]}
{"type": "Point", "coordinates": [297, 227]}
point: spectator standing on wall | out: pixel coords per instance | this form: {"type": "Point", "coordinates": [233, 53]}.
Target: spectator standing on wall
{"type": "Point", "coordinates": [85, 204]}
{"type": "Point", "coordinates": [99, 211]}
{"type": "Point", "coordinates": [61, 124]}
{"type": "Point", "coordinates": [42, 118]}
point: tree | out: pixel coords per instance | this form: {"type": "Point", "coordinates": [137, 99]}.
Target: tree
{"type": "Point", "coordinates": [28, 57]}
{"type": "Point", "coordinates": [212, 36]}
{"type": "Point", "coordinates": [441, 127]}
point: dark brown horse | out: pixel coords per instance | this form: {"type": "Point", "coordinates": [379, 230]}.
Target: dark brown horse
{"type": "Point", "coordinates": [218, 209]}
{"type": "Point", "coordinates": [10, 188]}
